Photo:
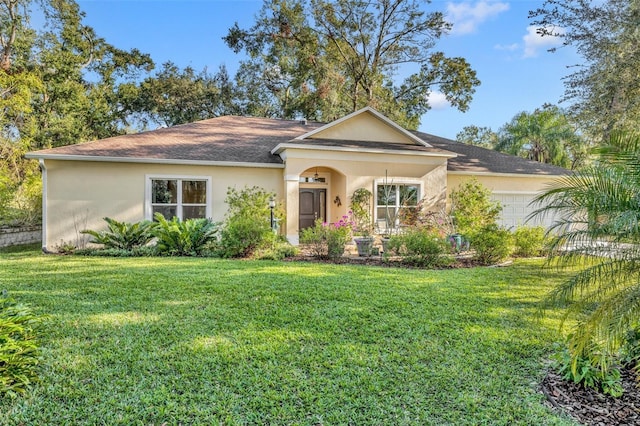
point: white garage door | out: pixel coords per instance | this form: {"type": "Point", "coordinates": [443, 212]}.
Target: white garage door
{"type": "Point", "coordinates": [516, 207]}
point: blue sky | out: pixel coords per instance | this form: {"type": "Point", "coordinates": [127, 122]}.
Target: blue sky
{"type": "Point", "coordinates": [516, 71]}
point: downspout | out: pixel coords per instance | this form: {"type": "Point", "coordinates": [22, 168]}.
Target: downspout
{"type": "Point", "coordinates": [43, 170]}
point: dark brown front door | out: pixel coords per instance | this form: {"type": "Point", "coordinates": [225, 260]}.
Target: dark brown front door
{"type": "Point", "coordinates": [313, 204]}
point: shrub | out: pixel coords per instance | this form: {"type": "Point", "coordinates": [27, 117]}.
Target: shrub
{"type": "Point", "coordinates": [472, 207]}
{"type": "Point", "coordinates": [529, 241]}
{"type": "Point", "coordinates": [327, 240]}
{"type": "Point", "coordinates": [491, 244]}
{"type": "Point", "coordinates": [315, 238]}
{"type": "Point", "coordinates": [581, 369]}
{"type": "Point", "coordinates": [122, 235]}
{"type": "Point", "coordinates": [18, 347]}
{"type": "Point", "coordinates": [192, 237]}
{"type": "Point", "coordinates": [419, 247]}
{"type": "Point", "coordinates": [279, 250]}
{"type": "Point", "coordinates": [247, 225]}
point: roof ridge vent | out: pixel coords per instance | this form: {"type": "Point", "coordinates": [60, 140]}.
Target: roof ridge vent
{"type": "Point", "coordinates": [303, 121]}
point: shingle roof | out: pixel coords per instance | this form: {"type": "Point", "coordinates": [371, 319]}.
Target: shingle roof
{"type": "Point", "coordinates": [482, 160]}
{"type": "Point", "coordinates": [224, 139]}
{"type": "Point", "coordinates": [236, 139]}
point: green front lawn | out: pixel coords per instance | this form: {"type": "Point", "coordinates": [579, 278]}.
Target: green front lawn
{"type": "Point", "coordinates": [203, 341]}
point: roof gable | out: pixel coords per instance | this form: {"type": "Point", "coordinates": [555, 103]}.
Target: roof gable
{"type": "Point", "coordinates": [368, 125]}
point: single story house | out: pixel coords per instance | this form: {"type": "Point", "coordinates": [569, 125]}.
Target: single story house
{"type": "Point", "coordinates": [314, 168]}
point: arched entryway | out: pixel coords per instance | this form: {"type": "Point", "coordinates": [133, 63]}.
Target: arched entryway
{"type": "Point", "coordinates": [320, 194]}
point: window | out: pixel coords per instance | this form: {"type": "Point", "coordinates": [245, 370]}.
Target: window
{"type": "Point", "coordinates": [392, 200]}
{"type": "Point", "coordinates": [185, 198]}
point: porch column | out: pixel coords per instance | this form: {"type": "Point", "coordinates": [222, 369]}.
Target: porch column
{"type": "Point", "coordinates": [292, 195]}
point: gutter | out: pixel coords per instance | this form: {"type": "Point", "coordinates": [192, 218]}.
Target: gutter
{"type": "Point", "coordinates": [70, 157]}
{"type": "Point", "coordinates": [43, 170]}
{"type": "Point", "coordinates": [284, 146]}
{"type": "Point", "coordinates": [507, 175]}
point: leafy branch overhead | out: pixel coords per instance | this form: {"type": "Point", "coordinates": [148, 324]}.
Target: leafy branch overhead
{"type": "Point", "coordinates": [324, 59]}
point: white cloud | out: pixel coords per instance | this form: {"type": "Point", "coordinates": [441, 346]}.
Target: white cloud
{"type": "Point", "coordinates": [438, 100]}
{"type": "Point", "coordinates": [467, 16]}
{"type": "Point", "coordinates": [534, 42]}
{"type": "Point", "coordinates": [508, 47]}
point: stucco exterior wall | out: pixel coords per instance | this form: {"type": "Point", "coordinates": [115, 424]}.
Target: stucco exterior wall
{"type": "Point", "coordinates": [502, 183]}
{"type": "Point", "coordinates": [350, 171]}
{"type": "Point", "coordinates": [516, 194]}
{"type": "Point", "coordinates": [80, 194]}
{"type": "Point", "coordinates": [364, 127]}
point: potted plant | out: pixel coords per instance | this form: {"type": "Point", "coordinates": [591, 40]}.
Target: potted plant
{"type": "Point", "coordinates": [361, 211]}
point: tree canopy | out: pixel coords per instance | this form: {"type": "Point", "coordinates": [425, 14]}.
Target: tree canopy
{"type": "Point", "coordinates": [58, 86]}
{"type": "Point", "coordinates": [322, 59]}
{"type": "Point", "coordinates": [478, 136]}
{"type": "Point", "coordinates": [544, 135]}
{"type": "Point", "coordinates": [604, 90]}
{"type": "Point", "coordinates": [173, 96]}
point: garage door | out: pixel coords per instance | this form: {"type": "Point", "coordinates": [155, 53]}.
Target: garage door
{"type": "Point", "coordinates": [516, 207]}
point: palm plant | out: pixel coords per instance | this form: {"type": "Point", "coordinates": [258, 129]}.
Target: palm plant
{"type": "Point", "coordinates": [191, 237]}
{"type": "Point", "coordinates": [545, 136]}
{"type": "Point", "coordinates": [597, 228]}
{"type": "Point", "coordinates": [122, 235]}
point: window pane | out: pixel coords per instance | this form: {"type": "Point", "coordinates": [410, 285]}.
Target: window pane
{"type": "Point", "coordinates": [164, 191]}
{"type": "Point", "coordinates": [167, 211]}
{"type": "Point", "coordinates": [386, 195]}
{"type": "Point", "coordinates": [386, 215]}
{"type": "Point", "coordinates": [194, 192]}
{"type": "Point", "coordinates": [408, 195]}
{"type": "Point", "coordinates": [194, 212]}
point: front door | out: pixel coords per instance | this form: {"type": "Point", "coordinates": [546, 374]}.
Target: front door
{"type": "Point", "coordinates": [313, 204]}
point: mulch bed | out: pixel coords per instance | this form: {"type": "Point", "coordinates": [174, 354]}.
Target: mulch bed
{"type": "Point", "coordinates": [590, 407]}
{"type": "Point", "coordinates": [462, 260]}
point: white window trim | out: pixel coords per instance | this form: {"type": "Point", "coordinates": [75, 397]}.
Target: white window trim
{"type": "Point", "coordinates": [394, 181]}
{"type": "Point", "coordinates": [148, 208]}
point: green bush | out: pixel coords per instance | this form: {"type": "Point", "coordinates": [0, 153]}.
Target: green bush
{"type": "Point", "coordinates": [419, 247]}
{"type": "Point", "coordinates": [315, 238]}
{"type": "Point", "coordinates": [122, 235]}
{"type": "Point", "coordinates": [192, 237]}
{"type": "Point", "coordinates": [491, 243]}
{"type": "Point", "coordinates": [582, 370]}
{"type": "Point", "coordinates": [247, 225]}
{"type": "Point", "coordinates": [18, 347]}
{"type": "Point", "coordinates": [327, 240]}
{"type": "Point", "coordinates": [472, 207]}
{"type": "Point", "coordinates": [279, 250]}
{"type": "Point", "coordinates": [529, 241]}
{"type": "Point", "coordinates": [241, 236]}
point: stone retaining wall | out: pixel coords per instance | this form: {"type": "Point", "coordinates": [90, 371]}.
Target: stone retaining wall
{"type": "Point", "coordinates": [19, 236]}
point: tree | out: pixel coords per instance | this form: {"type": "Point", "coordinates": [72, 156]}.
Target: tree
{"type": "Point", "coordinates": [58, 86]}
{"type": "Point", "coordinates": [605, 88]}
{"type": "Point", "coordinates": [597, 213]}
{"type": "Point", "coordinates": [472, 208]}
{"type": "Point", "coordinates": [324, 58]}
{"type": "Point", "coordinates": [478, 136]}
{"type": "Point", "coordinates": [173, 96]}
{"type": "Point", "coordinates": [81, 74]}
{"type": "Point", "coordinates": [545, 136]}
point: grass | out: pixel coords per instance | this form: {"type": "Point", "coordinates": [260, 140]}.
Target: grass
{"type": "Point", "coordinates": [173, 341]}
